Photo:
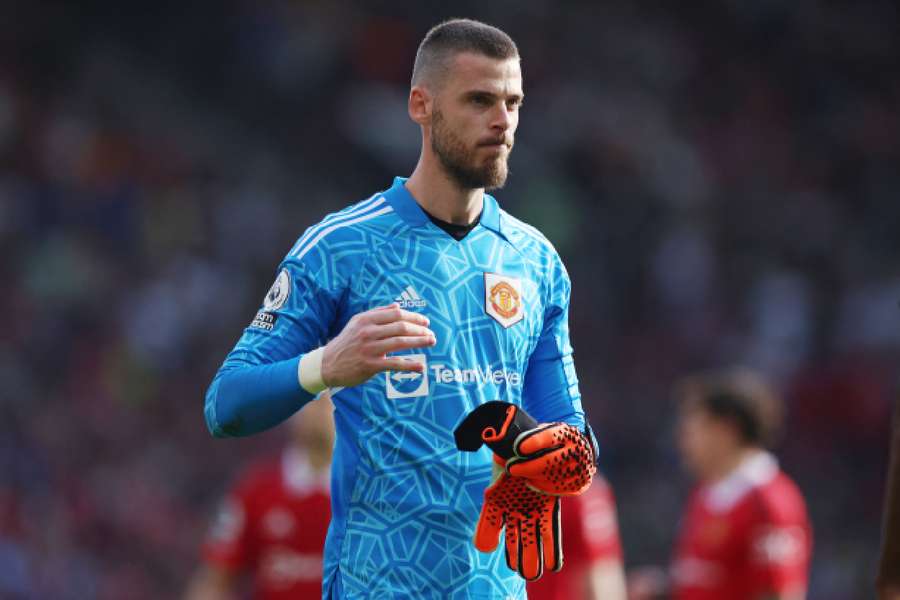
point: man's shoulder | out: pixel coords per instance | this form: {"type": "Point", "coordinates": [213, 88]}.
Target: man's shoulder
{"type": "Point", "coordinates": [781, 499]}
{"type": "Point", "coordinates": [357, 227]}
{"type": "Point", "coordinates": [524, 235]}
{"type": "Point", "coordinates": [259, 478]}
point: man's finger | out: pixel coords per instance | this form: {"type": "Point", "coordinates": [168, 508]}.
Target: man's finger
{"type": "Point", "coordinates": [403, 343]}
{"type": "Point", "coordinates": [531, 550]}
{"type": "Point", "coordinates": [391, 305]}
{"type": "Point", "coordinates": [401, 328]}
{"type": "Point", "coordinates": [528, 468]}
{"type": "Point", "coordinates": [543, 437]}
{"type": "Point", "coordinates": [396, 363]}
{"type": "Point", "coordinates": [488, 528]}
{"type": "Point", "coordinates": [390, 314]}
{"type": "Point", "coordinates": [551, 534]}
{"type": "Point", "coordinates": [512, 545]}
{"type": "Point", "coordinates": [531, 467]}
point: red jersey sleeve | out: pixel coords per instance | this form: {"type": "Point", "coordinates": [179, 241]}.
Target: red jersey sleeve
{"type": "Point", "coordinates": [780, 542]}
{"type": "Point", "coordinates": [227, 542]}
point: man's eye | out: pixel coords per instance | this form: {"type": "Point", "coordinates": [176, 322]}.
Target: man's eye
{"type": "Point", "coordinates": [481, 100]}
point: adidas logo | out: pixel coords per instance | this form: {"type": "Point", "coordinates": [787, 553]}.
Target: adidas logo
{"type": "Point", "coordinates": [408, 298]}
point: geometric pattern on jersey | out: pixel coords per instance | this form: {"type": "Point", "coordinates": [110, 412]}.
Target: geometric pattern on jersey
{"type": "Point", "coordinates": [404, 500]}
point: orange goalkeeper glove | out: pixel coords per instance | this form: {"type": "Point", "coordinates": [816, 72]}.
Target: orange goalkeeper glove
{"type": "Point", "coordinates": [532, 522]}
{"type": "Point", "coordinates": [557, 463]}
{"type": "Point", "coordinates": [555, 458]}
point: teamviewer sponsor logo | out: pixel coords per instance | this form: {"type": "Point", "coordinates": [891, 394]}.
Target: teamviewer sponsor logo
{"type": "Point", "coordinates": [479, 375]}
{"type": "Point", "coordinates": [408, 384]}
{"type": "Point", "coordinates": [408, 298]}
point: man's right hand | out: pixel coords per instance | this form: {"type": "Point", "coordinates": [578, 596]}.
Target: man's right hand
{"type": "Point", "coordinates": [360, 350]}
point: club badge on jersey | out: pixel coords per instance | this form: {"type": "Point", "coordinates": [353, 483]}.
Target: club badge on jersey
{"type": "Point", "coordinates": [503, 298]}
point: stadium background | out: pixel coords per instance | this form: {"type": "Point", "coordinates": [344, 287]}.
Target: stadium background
{"type": "Point", "coordinates": [721, 179]}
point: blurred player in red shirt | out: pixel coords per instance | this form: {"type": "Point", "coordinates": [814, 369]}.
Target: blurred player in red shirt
{"type": "Point", "coordinates": [745, 533]}
{"type": "Point", "coordinates": [592, 551]}
{"type": "Point", "coordinates": [271, 526]}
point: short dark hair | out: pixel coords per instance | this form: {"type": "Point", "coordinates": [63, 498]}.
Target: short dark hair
{"type": "Point", "coordinates": [447, 39]}
{"type": "Point", "coordinates": [737, 395]}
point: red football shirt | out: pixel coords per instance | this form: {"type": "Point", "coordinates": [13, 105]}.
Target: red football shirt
{"type": "Point", "coordinates": [744, 536]}
{"type": "Point", "coordinates": [272, 525]}
{"type": "Point", "coordinates": [590, 534]}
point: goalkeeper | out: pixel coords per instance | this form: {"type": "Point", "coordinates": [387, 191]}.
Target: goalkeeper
{"type": "Point", "coordinates": [416, 307]}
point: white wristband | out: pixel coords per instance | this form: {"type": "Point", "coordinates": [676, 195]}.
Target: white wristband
{"type": "Point", "coordinates": [309, 371]}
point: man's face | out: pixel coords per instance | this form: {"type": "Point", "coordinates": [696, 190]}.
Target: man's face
{"type": "Point", "coordinates": [474, 119]}
{"type": "Point", "coordinates": [702, 440]}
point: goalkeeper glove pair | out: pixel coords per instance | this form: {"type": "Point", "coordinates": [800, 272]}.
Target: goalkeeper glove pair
{"type": "Point", "coordinates": [533, 466]}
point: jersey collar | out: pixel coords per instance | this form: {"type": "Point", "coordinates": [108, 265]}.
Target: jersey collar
{"type": "Point", "coordinates": [756, 470]}
{"type": "Point", "coordinates": [409, 210]}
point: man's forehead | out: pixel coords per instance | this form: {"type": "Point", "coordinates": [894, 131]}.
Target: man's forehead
{"type": "Point", "coordinates": [477, 71]}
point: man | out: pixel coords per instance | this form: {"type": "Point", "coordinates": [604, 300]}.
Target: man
{"type": "Point", "coordinates": [416, 307]}
{"type": "Point", "coordinates": [593, 550]}
{"type": "Point", "coordinates": [745, 534]}
{"type": "Point", "coordinates": [271, 527]}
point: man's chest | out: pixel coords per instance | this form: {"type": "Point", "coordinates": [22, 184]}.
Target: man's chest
{"type": "Point", "coordinates": [713, 551]}
{"type": "Point", "coordinates": [481, 294]}
{"type": "Point", "coordinates": [713, 535]}
{"type": "Point", "coordinates": [284, 520]}
{"type": "Point", "coordinates": [288, 534]}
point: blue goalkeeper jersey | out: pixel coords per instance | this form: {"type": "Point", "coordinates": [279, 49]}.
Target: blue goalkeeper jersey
{"type": "Point", "coordinates": [404, 500]}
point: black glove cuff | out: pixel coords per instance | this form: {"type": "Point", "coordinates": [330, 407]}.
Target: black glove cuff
{"type": "Point", "coordinates": [495, 423]}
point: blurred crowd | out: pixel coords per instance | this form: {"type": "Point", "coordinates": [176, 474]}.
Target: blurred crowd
{"type": "Point", "coordinates": [721, 179]}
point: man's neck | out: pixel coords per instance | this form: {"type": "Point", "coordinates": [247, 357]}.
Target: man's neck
{"type": "Point", "coordinates": [730, 463]}
{"type": "Point", "coordinates": [442, 197]}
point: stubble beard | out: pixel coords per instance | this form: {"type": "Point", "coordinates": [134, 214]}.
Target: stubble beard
{"type": "Point", "coordinates": [460, 163]}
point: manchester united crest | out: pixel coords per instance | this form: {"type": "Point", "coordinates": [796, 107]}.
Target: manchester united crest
{"type": "Point", "coordinates": [503, 298]}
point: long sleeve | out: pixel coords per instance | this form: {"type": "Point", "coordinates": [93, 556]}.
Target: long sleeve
{"type": "Point", "coordinates": [551, 385]}
{"type": "Point", "coordinates": [258, 385]}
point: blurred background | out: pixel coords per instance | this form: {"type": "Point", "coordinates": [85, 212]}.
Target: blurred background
{"type": "Point", "coordinates": [721, 179]}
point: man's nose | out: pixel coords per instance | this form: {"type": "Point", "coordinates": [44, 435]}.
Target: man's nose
{"type": "Point", "coordinates": [502, 119]}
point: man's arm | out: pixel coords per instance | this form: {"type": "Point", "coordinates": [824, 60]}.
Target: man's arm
{"type": "Point", "coordinates": [601, 543]}
{"type": "Point", "coordinates": [606, 581]}
{"type": "Point", "coordinates": [648, 583]}
{"type": "Point", "coordinates": [889, 566]}
{"type": "Point", "coordinates": [280, 364]}
{"type": "Point", "coordinates": [779, 551]}
{"type": "Point", "coordinates": [551, 391]}
{"type": "Point", "coordinates": [211, 582]}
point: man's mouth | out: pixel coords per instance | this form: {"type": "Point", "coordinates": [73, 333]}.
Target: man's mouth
{"type": "Point", "coordinates": [495, 144]}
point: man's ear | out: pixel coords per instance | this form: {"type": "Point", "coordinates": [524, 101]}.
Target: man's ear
{"type": "Point", "coordinates": [419, 105]}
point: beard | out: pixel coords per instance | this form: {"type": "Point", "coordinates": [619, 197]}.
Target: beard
{"type": "Point", "coordinates": [461, 164]}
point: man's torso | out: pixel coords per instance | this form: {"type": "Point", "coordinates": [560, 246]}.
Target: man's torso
{"type": "Point", "coordinates": [405, 499]}
{"type": "Point", "coordinates": [757, 541]}
{"type": "Point", "coordinates": [275, 533]}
